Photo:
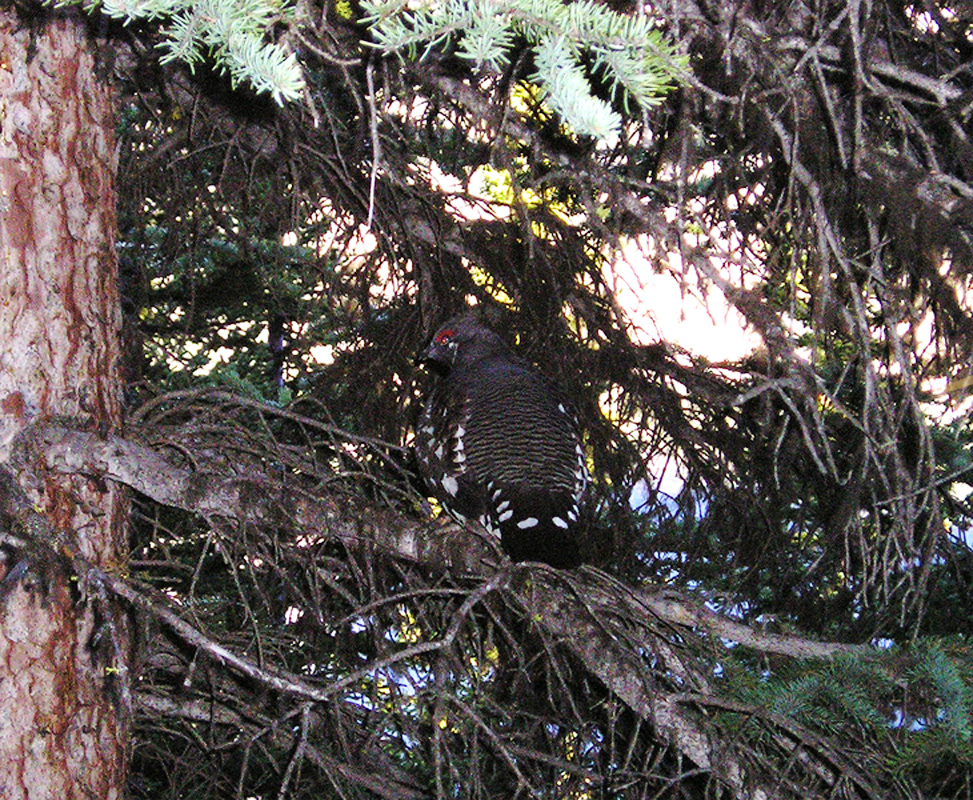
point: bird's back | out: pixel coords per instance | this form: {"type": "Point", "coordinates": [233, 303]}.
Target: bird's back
{"type": "Point", "coordinates": [518, 427]}
{"type": "Point", "coordinates": [498, 444]}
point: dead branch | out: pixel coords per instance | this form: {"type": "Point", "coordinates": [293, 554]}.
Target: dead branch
{"type": "Point", "coordinates": [609, 628]}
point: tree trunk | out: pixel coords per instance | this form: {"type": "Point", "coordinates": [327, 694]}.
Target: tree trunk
{"type": "Point", "coordinates": [63, 730]}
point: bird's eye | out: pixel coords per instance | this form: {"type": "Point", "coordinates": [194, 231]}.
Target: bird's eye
{"type": "Point", "coordinates": [443, 337]}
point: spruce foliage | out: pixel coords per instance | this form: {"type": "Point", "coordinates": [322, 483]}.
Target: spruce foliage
{"type": "Point", "coordinates": [627, 51]}
{"type": "Point", "coordinates": [232, 33]}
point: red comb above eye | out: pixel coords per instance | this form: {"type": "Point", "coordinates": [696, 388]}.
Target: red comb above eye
{"type": "Point", "coordinates": [444, 336]}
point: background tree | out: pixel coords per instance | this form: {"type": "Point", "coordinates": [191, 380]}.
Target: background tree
{"type": "Point", "coordinates": [307, 633]}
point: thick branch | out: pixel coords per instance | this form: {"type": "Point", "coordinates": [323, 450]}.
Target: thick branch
{"type": "Point", "coordinates": [611, 629]}
{"type": "Point", "coordinates": [258, 500]}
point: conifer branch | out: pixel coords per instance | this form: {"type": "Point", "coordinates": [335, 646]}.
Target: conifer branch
{"type": "Point", "coordinates": [232, 33]}
{"type": "Point", "coordinates": [628, 52]}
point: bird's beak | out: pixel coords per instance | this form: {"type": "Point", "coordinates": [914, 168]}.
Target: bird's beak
{"type": "Point", "coordinates": [436, 358]}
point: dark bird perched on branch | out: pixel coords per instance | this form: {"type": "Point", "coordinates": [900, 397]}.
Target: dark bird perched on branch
{"type": "Point", "coordinates": [497, 444]}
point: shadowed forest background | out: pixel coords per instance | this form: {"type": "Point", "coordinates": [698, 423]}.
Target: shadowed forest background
{"type": "Point", "coordinates": [792, 621]}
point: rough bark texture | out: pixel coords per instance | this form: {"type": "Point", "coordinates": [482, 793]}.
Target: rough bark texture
{"type": "Point", "coordinates": [61, 732]}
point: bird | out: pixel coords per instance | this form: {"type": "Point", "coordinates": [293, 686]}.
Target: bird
{"type": "Point", "coordinates": [498, 444]}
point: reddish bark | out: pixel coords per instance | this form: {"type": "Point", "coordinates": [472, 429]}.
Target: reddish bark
{"type": "Point", "coordinates": [62, 732]}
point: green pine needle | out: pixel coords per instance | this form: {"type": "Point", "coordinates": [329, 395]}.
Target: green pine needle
{"type": "Point", "coordinates": [627, 51]}
{"type": "Point", "coordinates": [232, 33]}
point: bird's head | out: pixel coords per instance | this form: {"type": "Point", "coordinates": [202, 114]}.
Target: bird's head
{"type": "Point", "coordinates": [459, 342]}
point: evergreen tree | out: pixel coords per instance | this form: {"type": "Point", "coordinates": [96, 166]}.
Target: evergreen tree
{"type": "Point", "coordinates": [792, 622]}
